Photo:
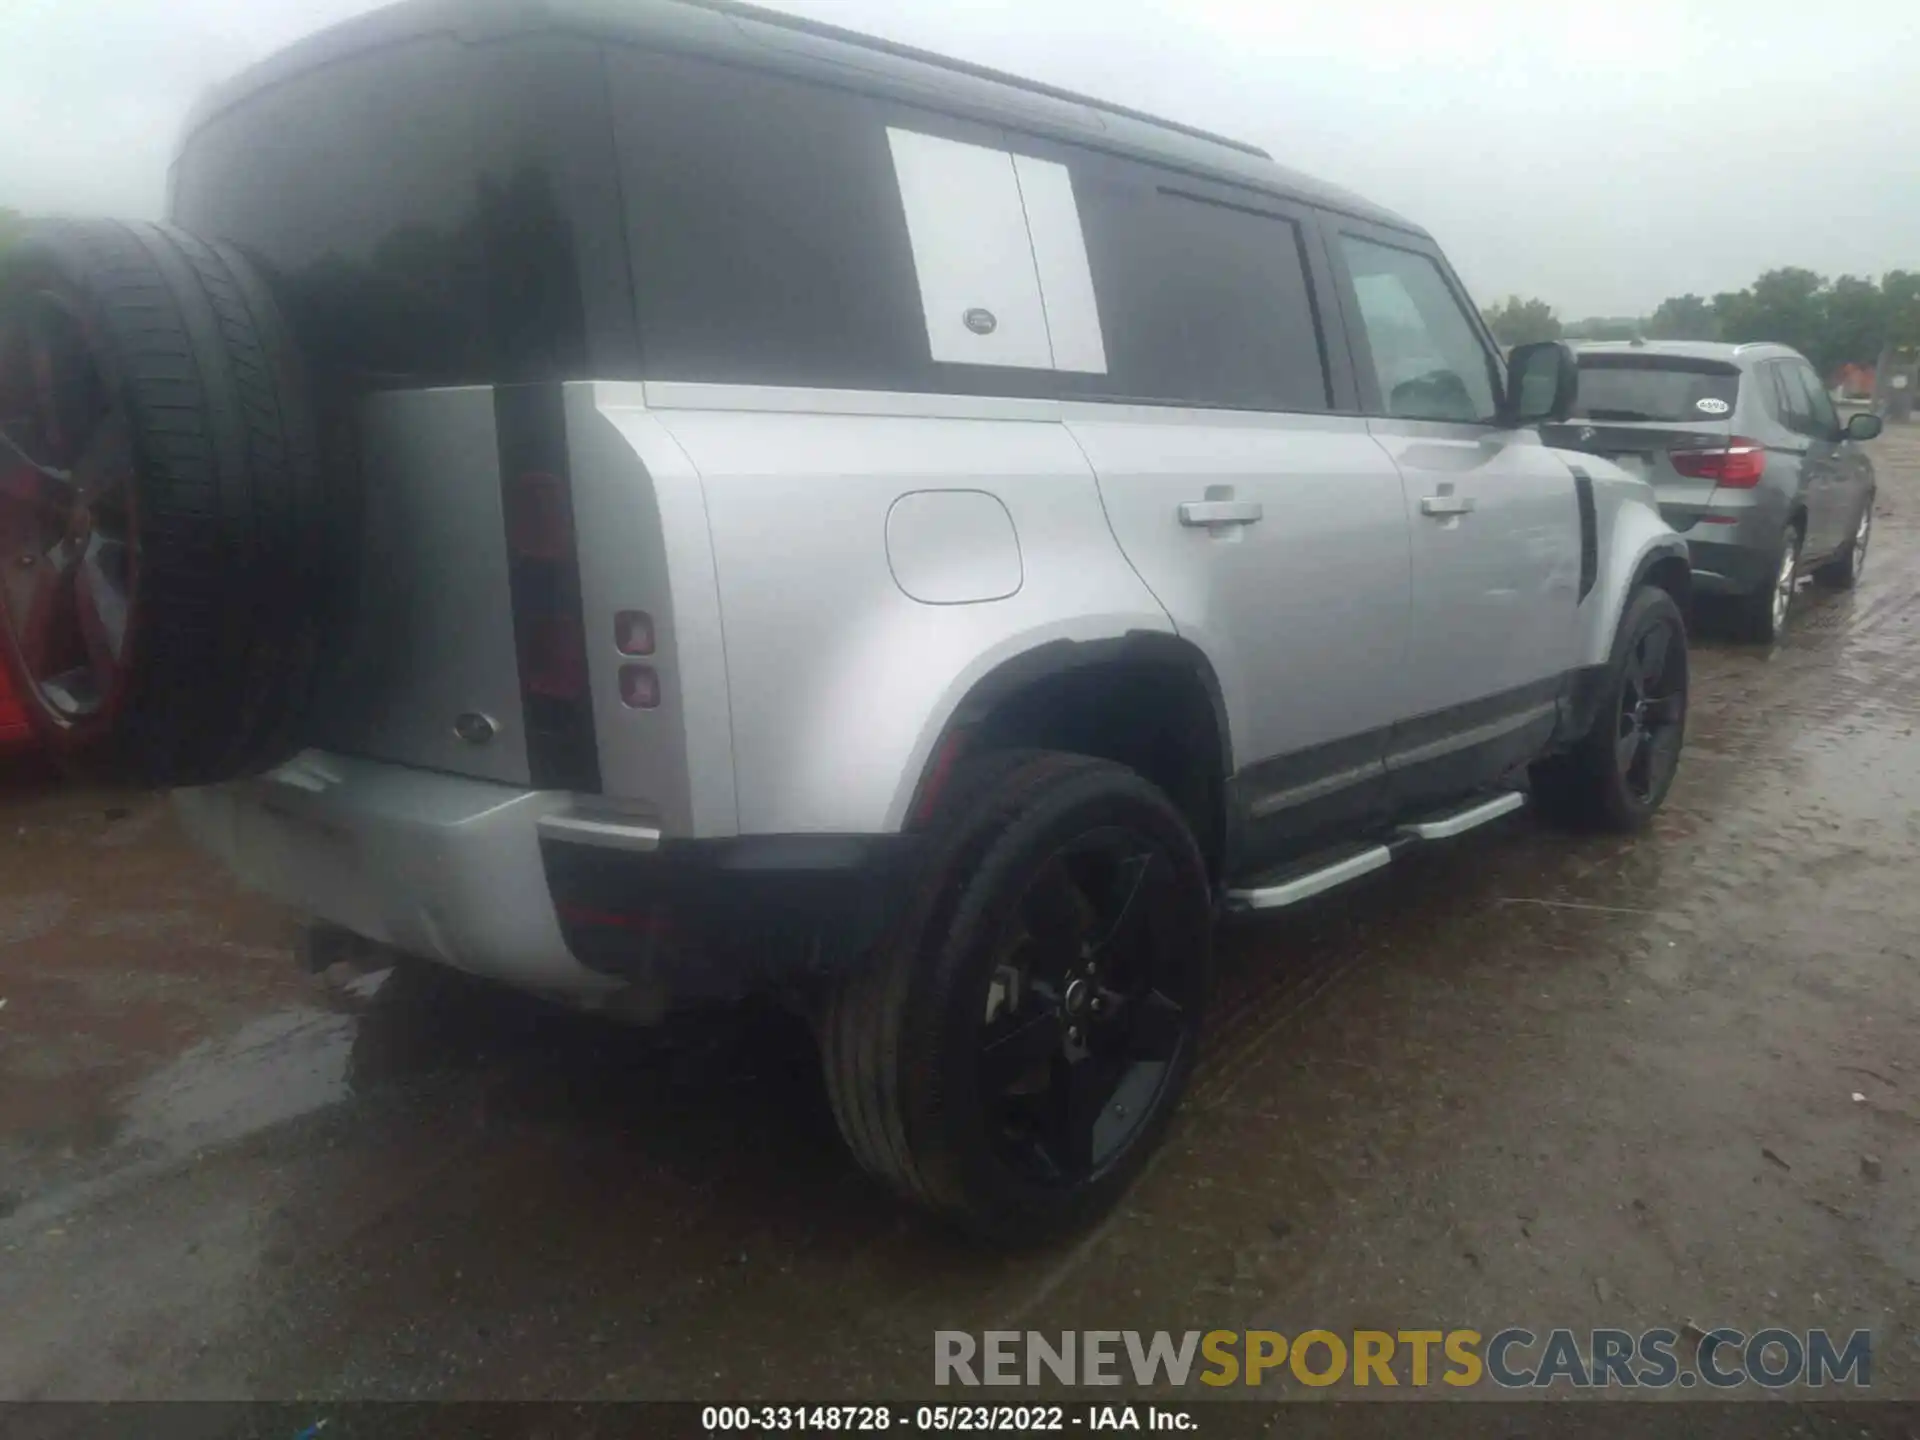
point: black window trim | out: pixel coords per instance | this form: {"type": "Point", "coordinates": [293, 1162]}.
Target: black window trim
{"type": "Point", "coordinates": [1360, 351]}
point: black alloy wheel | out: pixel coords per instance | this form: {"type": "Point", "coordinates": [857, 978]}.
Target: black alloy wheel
{"type": "Point", "coordinates": [1011, 1055]}
{"type": "Point", "coordinates": [1617, 774]}
{"type": "Point", "coordinates": [1652, 711]}
{"type": "Point", "coordinates": [1084, 1016]}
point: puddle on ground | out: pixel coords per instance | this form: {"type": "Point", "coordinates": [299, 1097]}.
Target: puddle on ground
{"type": "Point", "coordinates": [272, 1069]}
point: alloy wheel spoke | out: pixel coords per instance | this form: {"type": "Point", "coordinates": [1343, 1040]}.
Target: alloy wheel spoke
{"type": "Point", "coordinates": [1078, 1097]}
{"type": "Point", "coordinates": [1132, 879]}
{"type": "Point", "coordinates": [1055, 916]}
{"type": "Point", "coordinates": [1155, 1024]}
{"type": "Point", "coordinates": [1666, 710]}
{"type": "Point", "coordinates": [1018, 1046]}
{"type": "Point", "coordinates": [1652, 653]}
{"type": "Point", "coordinates": [1626, 749]}
{"type": "Point", "coordinates": [43, 599]}
{"type": "Point", "coordinates": [101, 600]}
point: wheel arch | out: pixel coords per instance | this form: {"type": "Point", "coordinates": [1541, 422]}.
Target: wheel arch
{"type": "Point", "coordinates": [1671, 572]}
{"type": "Point", "coordinates": [1146, 699]}
{"type": "Point", "coordinates": [1636, 547]}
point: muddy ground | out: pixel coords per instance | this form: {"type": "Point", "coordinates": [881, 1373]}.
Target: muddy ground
{"type": "Point", "coordinates": [1532, 1080]}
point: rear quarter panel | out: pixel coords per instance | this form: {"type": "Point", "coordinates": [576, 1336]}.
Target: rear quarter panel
{"type": "Point", "coordinates": [840, 681]}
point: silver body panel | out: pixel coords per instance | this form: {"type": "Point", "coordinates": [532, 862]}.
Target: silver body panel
{"type": "Point", "coordinates": [439, 866]}
{"type": "Point", "coordinates": [1307, 601]}
{"type": "Point", "coordinates": [641, 514]}
{"type": "Point", "coordinates": [1495, 586]}
{"type": "Point", "coordinates": [840, 681]}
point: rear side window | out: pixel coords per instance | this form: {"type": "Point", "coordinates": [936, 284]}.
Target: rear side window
{"type": "Point", "coordinates": [1427, 356]}
{"type": "Point", "coordinates": [1785, 399]}
{"type": "Point", "coordinates": [1200, 303]}
{"type": "Point", "coordinates": [1816, 412]}
{"type": "Point", "coordinates": [1663, 389]}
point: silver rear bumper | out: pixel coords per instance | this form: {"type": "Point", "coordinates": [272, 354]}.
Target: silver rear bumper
{"type": "Point", "coordinates": [434, 865]}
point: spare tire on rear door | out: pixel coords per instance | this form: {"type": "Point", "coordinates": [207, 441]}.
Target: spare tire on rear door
{"type": "Point", "coordinates": [162, 505]}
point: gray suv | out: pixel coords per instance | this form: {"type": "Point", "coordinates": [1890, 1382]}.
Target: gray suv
{"type": "Point", "coordinates": [1750, 459]}
{"type": "Point", "coordinates": [769, 512]}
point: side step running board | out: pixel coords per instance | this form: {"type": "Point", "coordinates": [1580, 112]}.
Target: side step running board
{"type": "Point", "coordinates": [1297, 887]}
{"type": "Point", "coordinates": [1309, 878]}
{"type": "Point", "coordinates": [1445, 827]}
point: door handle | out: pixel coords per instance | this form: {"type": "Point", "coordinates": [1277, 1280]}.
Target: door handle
{"type": "Point", "coordinates": [1446, 505]}
{"type": "Point", "coordinates": [1220, 512]}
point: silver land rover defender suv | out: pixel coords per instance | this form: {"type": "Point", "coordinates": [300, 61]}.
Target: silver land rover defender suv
{"type": "Point", "coordinates": [655, 502]}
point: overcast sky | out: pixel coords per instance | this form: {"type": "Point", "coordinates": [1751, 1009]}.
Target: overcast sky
{"type": "Point", "coordinates": [1601, 155]}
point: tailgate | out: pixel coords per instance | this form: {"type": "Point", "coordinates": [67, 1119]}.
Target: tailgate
{"type": "Point", "coordinates": [1647, 450]}
{"type": "Point", "coordinates": [432, 632]}
{"type": "Point", "coordinates": [536, 603]}
{"type": "Point", "coordinates": [1637, 408]}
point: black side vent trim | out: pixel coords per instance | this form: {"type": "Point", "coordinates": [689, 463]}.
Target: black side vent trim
{"type": "Point", "coordinates": [1589, 531]}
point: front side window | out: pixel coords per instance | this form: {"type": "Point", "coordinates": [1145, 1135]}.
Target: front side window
{"type": "Point", "coordinates": [1427, 356]}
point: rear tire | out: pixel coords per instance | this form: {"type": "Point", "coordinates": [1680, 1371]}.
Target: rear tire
{"type": "Point", "coordinates": [1844, 570]}
{"type": "Point", "coordinates": [1050, 968]}
{"type": "Point", "coordinates": [1619, 774]}
{"type": "Point", "coordinates": [1762, 616]}
{"type": "Point", "coordinates": [156, 372]}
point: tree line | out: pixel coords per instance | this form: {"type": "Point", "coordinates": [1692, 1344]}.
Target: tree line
{"type": "Point", "coordinates": [1846, 321]}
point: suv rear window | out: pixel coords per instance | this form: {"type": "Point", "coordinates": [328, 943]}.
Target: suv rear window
{"type": "Point", "coordinates": [417, 232]}
{"type": "Point", "coordinates": [1665, 388]}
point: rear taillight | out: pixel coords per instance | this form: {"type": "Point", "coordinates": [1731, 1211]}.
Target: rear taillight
{"type": "Point", "coordinates": [539, 518]}
{"type": "Point", "coordinates": [553, 651]}
{"type": "Point", "coordinates": [1738, 465]}
{"type": "Point", "coordinates": [543, 577]}
{"type": "Point", "coordinates": [553, 658]}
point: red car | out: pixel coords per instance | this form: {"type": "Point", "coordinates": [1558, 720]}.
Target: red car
{"type": "Point", "coordinates": [14, 734]}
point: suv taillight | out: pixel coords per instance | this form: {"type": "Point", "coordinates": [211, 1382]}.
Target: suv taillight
{"type": "Point", "coordinates": [1738, 465]}
{"type": "Point", "coordinates": [547, 623]}
{"type": "Point", "coordinates": [543, 576]}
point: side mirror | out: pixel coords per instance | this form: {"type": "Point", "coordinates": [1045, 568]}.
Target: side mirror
{"type": "Point", "coordinates": [1863, 427]}
{"type": "Point", "coordinates": [1543, 380]}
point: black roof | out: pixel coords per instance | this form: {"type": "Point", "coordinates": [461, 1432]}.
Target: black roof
{"type": "Point", "coordinates": [765, 39]}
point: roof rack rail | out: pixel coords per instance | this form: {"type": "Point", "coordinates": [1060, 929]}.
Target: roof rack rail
{"type": "Point", "coordinates": [964, 67]}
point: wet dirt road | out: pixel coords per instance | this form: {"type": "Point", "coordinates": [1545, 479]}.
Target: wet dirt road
{"type": "Point", "coordinates": [1532, 1080]}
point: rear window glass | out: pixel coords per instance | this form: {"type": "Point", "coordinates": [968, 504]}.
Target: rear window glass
{"type": "Point", "coordinates": [1660, 388]}
{"type": "Point", "coordinates": [415, 232]}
